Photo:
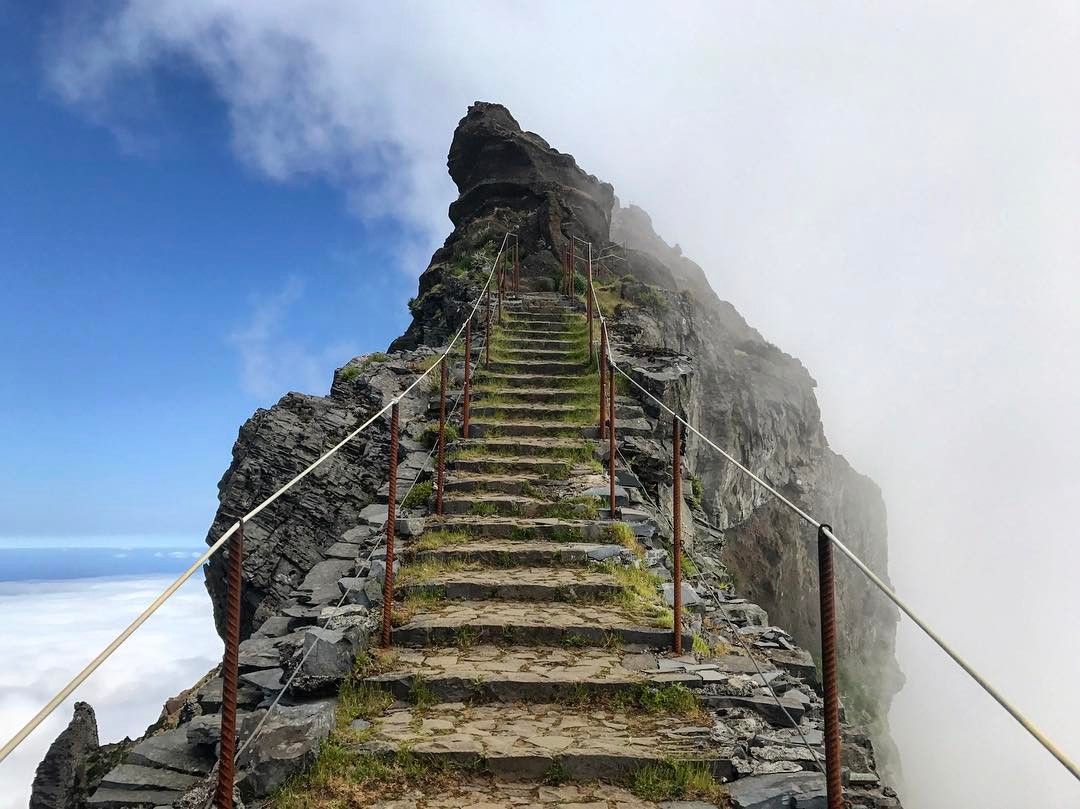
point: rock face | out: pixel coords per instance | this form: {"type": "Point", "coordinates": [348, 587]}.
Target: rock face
{"type": "Point", "coordinates": [62, 778]}
{"type": "Point", "coordinates": [758, 402]}
{"type": "Point", "coordinates": [287, 540]}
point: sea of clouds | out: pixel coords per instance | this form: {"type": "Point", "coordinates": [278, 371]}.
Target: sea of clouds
{"type": "Point", "coordinates": [52, 628]}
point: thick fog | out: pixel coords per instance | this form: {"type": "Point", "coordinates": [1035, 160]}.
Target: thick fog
{"type": "Point", "coordinates": [888, 192]}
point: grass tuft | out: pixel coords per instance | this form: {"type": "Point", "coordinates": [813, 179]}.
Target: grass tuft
{"type": "Point", "coordinates": [675, 780]}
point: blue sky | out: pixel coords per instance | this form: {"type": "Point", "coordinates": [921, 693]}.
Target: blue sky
{"type": "Point", "coordinates": [148, 289]}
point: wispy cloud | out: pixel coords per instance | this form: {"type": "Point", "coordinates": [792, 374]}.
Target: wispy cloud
{"type": "Point", "coordinates": [272, 361]}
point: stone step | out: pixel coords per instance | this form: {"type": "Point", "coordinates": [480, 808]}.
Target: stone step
{"type": "Point", "coordinates": [550, 468]}
{"type": "Point", "coordinates": [529, 447]}
{"type": "Point", "coordinates": [538, 395]}
{"type": "Point", "coordinates": [519, 484]}
{"type": "Point", "coordinates": [515, 353]}
{"type": "Point", "coordinates": [490, 504]}
{"type": "Point", "coordinates": [534, 319]}
{"type": "Point", "coordinates": [576, 335]}
{"type": "Point", "coordinates": [529, 624]}
{"type": "Point", "coordinates": [525, 742]}
{"type": "Point", "coordinates": [491, 793]}
{"type": "Point", "coordinates": [580, 368]}
{"type": "Point", "coordinates": [481, 427]}
{"type": "Point", "coordinates": [543, 528]}
{"type": "Point", "coordinates": [489, 673]}
{"type": "Point", "coordinates": [519, 552]}
{"type": "Point", "coordinates": [543, 343]}
{"type": "Point", "coordinates": [540, 584]}
{"type": "Point", "coordinates": [537, 411]}
{"type": "Point", "coordinates": [526, 380]}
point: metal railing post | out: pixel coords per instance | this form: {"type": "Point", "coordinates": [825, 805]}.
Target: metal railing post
{"type": "Point", "coordinates": [590, 299]}
{"type": "Point", "coordinates": [391, 527]}
{"type": "Point", "coordinates": [468, 373]}
{"type": "Point", "coordinates": [223, 796]}
{"type": "Point", "coordinates": [603, 374]}
{"type": "Point", "coordinates": [830, 688]}
{"type": "Point", "coordinates": [487, 331]}
{"type": "Point", "coordinates": [611, 436]}
{"type": "Point", "coordinates": [570, 269]}
{"type": "Point", "coordinates": [502, 288]}
{"type": "Point", "coordinates": [676, 515]}
{"type": "Point", "coordinates": [517, 266]}
{"type": "Point", "coordinates": [440, 463]}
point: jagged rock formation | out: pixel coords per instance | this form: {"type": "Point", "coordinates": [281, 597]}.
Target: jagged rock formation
{"type": "Point", "coordinates": [313, 570]}
{"type": "Point", "coordinates": [62, 780]}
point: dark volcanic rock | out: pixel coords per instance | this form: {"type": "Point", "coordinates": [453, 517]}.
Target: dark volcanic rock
{"type": "Point", "coordinates": [62, 778]}
{"type": "Point", "coordinates": [290, 537]}
{"type": "Point", "coordinates": [508, 179]}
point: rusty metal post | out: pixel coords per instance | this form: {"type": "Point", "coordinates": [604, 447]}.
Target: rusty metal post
{"type": "Point", "coordinates": [611, 435]}
{"type": "Point", "coordinates": [487, 330]}
{"type": "Point", "coordinates": [570, 269]}
{"type": "Point", "coordinates": [676, 517]}
{"type": "Point", "coordinates": [590, 299]}
{"type": "Point", "coordinates": [223, 796]}
{"type": "Point", "coordinates": [440, 463]}
{"type": "Point", "coordinates": [468, 378]}
{"type": "Point", "coordinates": [827, 590]}
{"type": "Point", "coordinates": [517, 266]}
{"type": "Point", "coordinates": [502, 288]}
{"type": "Point", "coordinates": [603, 373]}
{"type": "Point", "coordinates": [391, 526]}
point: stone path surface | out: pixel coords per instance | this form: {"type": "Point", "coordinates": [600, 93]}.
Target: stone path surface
{"type": "Point", "coordinates": [529, 655]}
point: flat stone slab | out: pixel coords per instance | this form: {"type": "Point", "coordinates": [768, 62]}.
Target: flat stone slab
{"type": "Point", "coordinates": [524, 623]}
{"type": "Point", "coordinates": [495, 794]}
{"type": "Point", "coordinates": [171, 750]}
{"type": "Point", "coordinates": [802, 790]}
{"type": "Point", "coordinates": [514, 553]}
{"type": "Point", "coordinates": [520, 584]}
{"type": "Point", "coordinates": [138, 777]}
{"type": "Point", "coordinates": [522, 741]}
{"type": "Point", "coordinates": [489, 673]}
{"type": "Point", "coordinates": [530, 528]}
{"type": "Point", "coordinates": [110, 798]}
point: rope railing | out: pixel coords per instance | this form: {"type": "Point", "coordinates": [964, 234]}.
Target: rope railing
{"type": "Point", "coordinates": [236, 527]}
{"type": "Point", "coordinates": [827, 540]}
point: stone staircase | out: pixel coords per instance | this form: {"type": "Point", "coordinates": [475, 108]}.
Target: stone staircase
{"type": "Point", "coordinates": [526, 637]}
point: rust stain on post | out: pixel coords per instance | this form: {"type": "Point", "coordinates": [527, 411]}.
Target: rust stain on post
{"type": "Point", "coordinates": [465, 385]}
{"type": "Point", "coordinates": [440, 463]}
{"type": "Point", "coordinates": [827, 589]}
{"type": "Point", "coordinates": [603, 374]}
{"type": "Point", "coordinates": [611, 436]}
{"type": "Point", "coordinates": [676, 512]}
{"type": "Point", "coordinates": [391, 526]}
{"type": "Point", "coordinates": [229, 672]}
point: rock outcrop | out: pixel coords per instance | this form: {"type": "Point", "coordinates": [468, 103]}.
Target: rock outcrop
{"type": "Point", "coordinates": [62, 780]}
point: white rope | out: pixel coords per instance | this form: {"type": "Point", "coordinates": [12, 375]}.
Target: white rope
{"type": "Point", "coordinates": [727, 619]}
{"type": "Point", "coordinates": [93, 665]}
{"type": "Point", "coordinates": [878, 582]}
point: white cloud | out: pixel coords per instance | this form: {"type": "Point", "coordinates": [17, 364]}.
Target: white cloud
{"type": "Point", "coordinates": [273, 361]}
{"type": "Point", "coordinates": [889, 196]}
{"type": "Point", "coordinates": [52, 629]}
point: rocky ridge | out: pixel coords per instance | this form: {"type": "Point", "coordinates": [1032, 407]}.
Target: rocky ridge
{"type": "Point", "coordinates": [320, 543]}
